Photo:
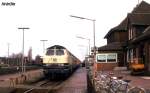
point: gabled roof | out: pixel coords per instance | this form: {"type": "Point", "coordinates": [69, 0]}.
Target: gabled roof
{"type": "Point", "coordinates": [143, 7]}
{"type": "Point", "coordinates": [139, 18]}
{"type": "Point", "coordinates": [121, 27]}
{"type": "Point", "coordinates": [143, 36]}
{"type": "Point", "coordinates": [139, 15]}
{"type": "Point", "coordinates": [146, 32]}
{"type": "Point", "coordinates": [112, 46]}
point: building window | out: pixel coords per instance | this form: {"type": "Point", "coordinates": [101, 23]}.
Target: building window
{"type": "Point", "coordinates": [106, 57]}
{"type": "Point", "coordinates": [128, 56]}
{"type": "Point", "coordinates": [101, 58]}
{"type": "Point", "coordinates": [111, 58]}
{"type": "Point", "coordinates": [131, 52]}
{"type": "Point", "coordinates": [129, 34]}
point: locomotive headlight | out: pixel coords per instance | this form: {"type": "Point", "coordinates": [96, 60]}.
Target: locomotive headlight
{"type": "Point", "coordinates": [61, 64]}
{"type": "Point", "coordinates": [47, 64]}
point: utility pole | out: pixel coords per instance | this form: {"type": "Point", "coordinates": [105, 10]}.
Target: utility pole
{"type": "Point", "coordinates": [22, 63]}
{"type": "Point", "coordinates": [43, 45]}
{"type": "Point", "coordinates": [8, 53]}
{"type": "Point", "coordinates": [8, 49]}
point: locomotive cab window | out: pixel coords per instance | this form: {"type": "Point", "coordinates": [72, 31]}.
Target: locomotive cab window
{"type": "Point", "coordinates": [60, 52]}
{"type": "Point", "coordinates": [50, 52]}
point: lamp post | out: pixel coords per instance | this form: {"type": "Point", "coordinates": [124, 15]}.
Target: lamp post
{"type": "Point", "coordinates": [22, 63]}
{"type": "Point", "coordinates": [93, 20]}
{"type": "Point", "coordinates": [94, 47]}
{"type": "Point", "coordinates": [8, 44]}
{"type": "Point", "coordinates": [88, 43]}
{"type": "Point", "coordinates": [43, 45]}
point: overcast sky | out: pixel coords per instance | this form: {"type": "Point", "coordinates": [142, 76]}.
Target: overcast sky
{"type": "Point", "coordinates": [50, 20]}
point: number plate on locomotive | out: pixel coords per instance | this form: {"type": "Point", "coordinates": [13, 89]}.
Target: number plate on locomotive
{"type": "Point", "coordinates": [54, 60]}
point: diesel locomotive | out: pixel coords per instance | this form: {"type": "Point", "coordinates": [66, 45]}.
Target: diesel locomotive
{"type": "Point", "coordinates": [58, 61]}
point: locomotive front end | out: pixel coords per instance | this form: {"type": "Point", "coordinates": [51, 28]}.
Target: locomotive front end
{"type": "Point", "coordinates": [56, 62]}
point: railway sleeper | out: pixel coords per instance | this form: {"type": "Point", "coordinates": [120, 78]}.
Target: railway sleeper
{"type": "Point", "coordinates": [25, 90]}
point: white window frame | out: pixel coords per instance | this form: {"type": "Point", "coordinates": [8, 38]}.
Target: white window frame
{"type": "Point", "coordinates": [128, 55]}
{"type": "Point", "coordinates": [131, 54]}
{"type": "Point", "coordinates": [106, 54]}
{"type": "Point", "coordinates": [129, 34]}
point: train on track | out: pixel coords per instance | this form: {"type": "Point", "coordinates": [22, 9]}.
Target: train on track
{"type": "Point", "coordinates": [58, 61]}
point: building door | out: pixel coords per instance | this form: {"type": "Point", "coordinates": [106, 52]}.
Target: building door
{"type": "Point", "coordinates": [142, 53]}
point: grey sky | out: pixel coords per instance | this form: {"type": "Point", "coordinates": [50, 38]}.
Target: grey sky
{"type": "Point", "coordinates": [49, 19]}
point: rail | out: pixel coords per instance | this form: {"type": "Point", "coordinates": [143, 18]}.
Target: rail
{"type": "Point", "coordinates": [51, 85]}
{"type": "Point", "coordinates": [29, 90]}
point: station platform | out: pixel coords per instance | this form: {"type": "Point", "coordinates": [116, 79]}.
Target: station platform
{"type": "Point", "coordinates": [76, 83]}
{"type": "Point", "coordinates": [140, 81]}
{"type": "Point", "coordinates": [10, 80]}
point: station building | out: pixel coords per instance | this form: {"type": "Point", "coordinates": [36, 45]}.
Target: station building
{"type": "Point", "coordinates": [127, 42]}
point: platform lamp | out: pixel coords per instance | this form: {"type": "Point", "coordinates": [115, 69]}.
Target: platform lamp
{"type": "Point", "coordinates": [87, 48]}
{"type": "Point", "coordinates": [43, 45]}
{"type": "Point", "coordinates": [93, 20]}
{"type": "Point", "coordinates": [22, 62]}
{"type": "Point", "coordinates": [94, 48]}
{"type": "Point", "coordinates": [88, 42]}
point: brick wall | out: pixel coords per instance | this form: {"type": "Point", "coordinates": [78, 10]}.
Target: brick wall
{"type": "Point", "coordinates": [105, 66]}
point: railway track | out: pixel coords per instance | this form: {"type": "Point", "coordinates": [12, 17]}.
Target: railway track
{"type": "Point", "coordinates": [45, 86]}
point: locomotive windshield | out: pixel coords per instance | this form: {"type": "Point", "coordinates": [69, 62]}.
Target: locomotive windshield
{"type": "Point", "coordinates": [50, 52]}
{"type": "Point", "coordinates": [58, 52]}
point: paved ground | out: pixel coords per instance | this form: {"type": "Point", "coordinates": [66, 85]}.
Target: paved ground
{"type": "Point", "coordinates": [77, 83]}
{"type": "Point", "coordinates": [140, 81]}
